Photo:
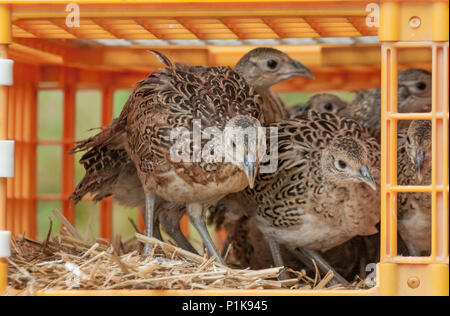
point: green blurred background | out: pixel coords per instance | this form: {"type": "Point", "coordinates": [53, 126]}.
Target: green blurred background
{"type": "Point", "coordinates": [88, 116]}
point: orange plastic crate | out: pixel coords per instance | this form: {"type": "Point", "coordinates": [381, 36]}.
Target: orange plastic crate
{"type": "Point", "coordinates": [26, 27]}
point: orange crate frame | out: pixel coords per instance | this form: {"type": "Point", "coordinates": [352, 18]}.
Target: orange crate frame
{"type": "Point", "coordinates": [17, 106]}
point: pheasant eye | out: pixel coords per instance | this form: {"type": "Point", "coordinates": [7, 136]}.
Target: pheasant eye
{"type": "Point", "coordinates": [328, 106]}
{"type": "Point", "coordinates": [340, 165]}
{"type": "Point", "coordinates": [272, 63]}
{"type": "Point", "coordinates": [421, 85]}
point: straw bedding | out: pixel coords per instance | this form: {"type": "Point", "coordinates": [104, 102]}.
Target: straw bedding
{"type": "Point", "coordinates": [66, 262]}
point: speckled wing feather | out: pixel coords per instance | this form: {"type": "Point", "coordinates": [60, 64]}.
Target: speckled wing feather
{"type": "Point", "coordinates": [174, 97]}
{"type": "Point", "coordinates": [104, 160]}
{"type": "Point", "coordinates": [320, 102]}
{"type": "Point", "coordinates": [366, 109]}
{"type": "Point", "coordinates": [103, 166]}
{"type": "Point", "coordinates": [296, 189]}
{"type": "Point", "coordinates": [414, 95]}
{"type": "Point", "coordinates": [406, 174]}
{"type": "Point", "coordinates": [273, 107]}
{"type": "Point", "coordinates": [300, 143]}
{"type": "Point", "coordinates": [249, 248]}
{"type": "Point", "coordinates": [414, 209]}
{"type": "Point", "coordinates": [168, 98]}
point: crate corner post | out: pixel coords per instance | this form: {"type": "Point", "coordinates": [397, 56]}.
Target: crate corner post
{"type": "Point", "coordinates": [5, 252]}
{"type": "Point", "coordinates": [6, 146]}
{"type": "Point", "coordinates": [409, 24]}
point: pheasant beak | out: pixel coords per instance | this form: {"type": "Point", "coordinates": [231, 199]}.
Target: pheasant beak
{"type": "Point", "coordinates": [418, 163]}
{"type": "Point", "coordinates": [250, 169]}
{"type": "Point", "coordinates": [301, 70]}
{"type": "Point", "coordinates": [367, 178]}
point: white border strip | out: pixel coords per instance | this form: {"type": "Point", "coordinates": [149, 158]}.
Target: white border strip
{"type": "Point", "coordinates": [5, 244]}
{"type": "Point", "coordinates": [6, 72]}
{"type": "Point", "coordinates": [6, 158]}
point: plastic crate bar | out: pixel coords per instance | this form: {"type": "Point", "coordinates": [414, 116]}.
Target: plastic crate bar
{"type": "Point", "coordinates": [31, 158]}
{"type": "Point", "coordinates": [106, 211]}
{"type": "Point", "coordinates": [20, 203]}
{"type": "Point", "coordinates": [10, 181]}
{"type": "Point", "coordinates": [411, 188]}
{"type": "Point", "coordinates": [5, 39]}
{"type": "Point", "coordinates": [440, 166]}
{"type": "Point", "coordinates": [205, 9]}
{"type": "Point", "coordinates": [388, 152]}
{"type": "Point", "coordinates": [410, 116]}
{"type": "Point", "coordinates": [18, 154]}
{"type": "Point", "coordinates": [68, 162]}
{"type": "Point", "coordinates": [200, 20]}
{"type": "Point", "coordinates": [416, 260]}
{"type": "Point", "coordinates": [395, 272]}
{"type": "Point", "coordinates": [3, 136]}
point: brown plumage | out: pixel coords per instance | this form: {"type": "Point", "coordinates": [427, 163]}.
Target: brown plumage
{"type": "Point", "coordinates": [105, 162]}
{"type": "Point", "coordinates": [102, 172]}
{"type": "Point", "coordinates": [174, 97]}
{"type": "Point", "coordinates": [321, 102]}
{"type": "Point", "coordinates": [249, 248]}
{"type": "Point", "coordinates": [414, 95]}
{"type": "Point", "coordinates": [264, 67]}
{"type": "Point", "coordinates": [324, 171]}
{"type": "Point", "coordinates": [261, 68]}
{"type": "Point", "coordinates": [323, 193]}
{"type": "Point", "coordinates": [414, 87]}
{"type": "Point", "coordinates": [414, 168]}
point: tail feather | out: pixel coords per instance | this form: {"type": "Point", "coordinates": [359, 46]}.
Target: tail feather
{"type": "Point", "coordinates": [103, 161]}
{"type": "Point", "coordinates": [109, 169]}
{"type": "Point", "coordinates": [162, 59]}
{"type": "Point", "coordinates": [103, 167]}
{"type": "Point", "coordinates": [112, 134]}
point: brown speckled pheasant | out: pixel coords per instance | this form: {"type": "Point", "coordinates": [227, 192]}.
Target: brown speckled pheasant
{"type": "Point", "coordinates": [414, 209]}
{"type": "Point", "coordinates": [106, 176]}
{"type": "Point", "coordinates": [321, 102]}
{"type": "Point", "coordinates": [261, 68]}
{"type": "Point", "coordinates": [249, 248]}
{"type": "Point", "coordinates": [264, 67]}
{"type": "Point", "coordinates": [172, 98]}
{"type": "Point", "coordinates": [414, 95]}
{"type": "Point", "coordinates": [323, 193]}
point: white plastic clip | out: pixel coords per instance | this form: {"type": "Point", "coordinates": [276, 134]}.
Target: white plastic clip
{"type": "Point", "coordinates": [6, 158]}
{"type": "Point", "coordinates": [6, 72]}
{"type": "Point", "coordinates": [5, 244]}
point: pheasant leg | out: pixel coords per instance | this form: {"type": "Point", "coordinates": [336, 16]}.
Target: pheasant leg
{"type": "Point", "coordinates": [195, 214]}
{"type": "Point", "coordinates": [170, 216]}
{"type": "Point", "coordinates": [276, 256]}
{"type": "Point", "coordinates": [149, 218]}
{"type": "Point", "coordinates": [323, 266]}
{"type": "Point", "coordinates": [156, 228]}
{"type": "Point", "coordinates": [174, 231]}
